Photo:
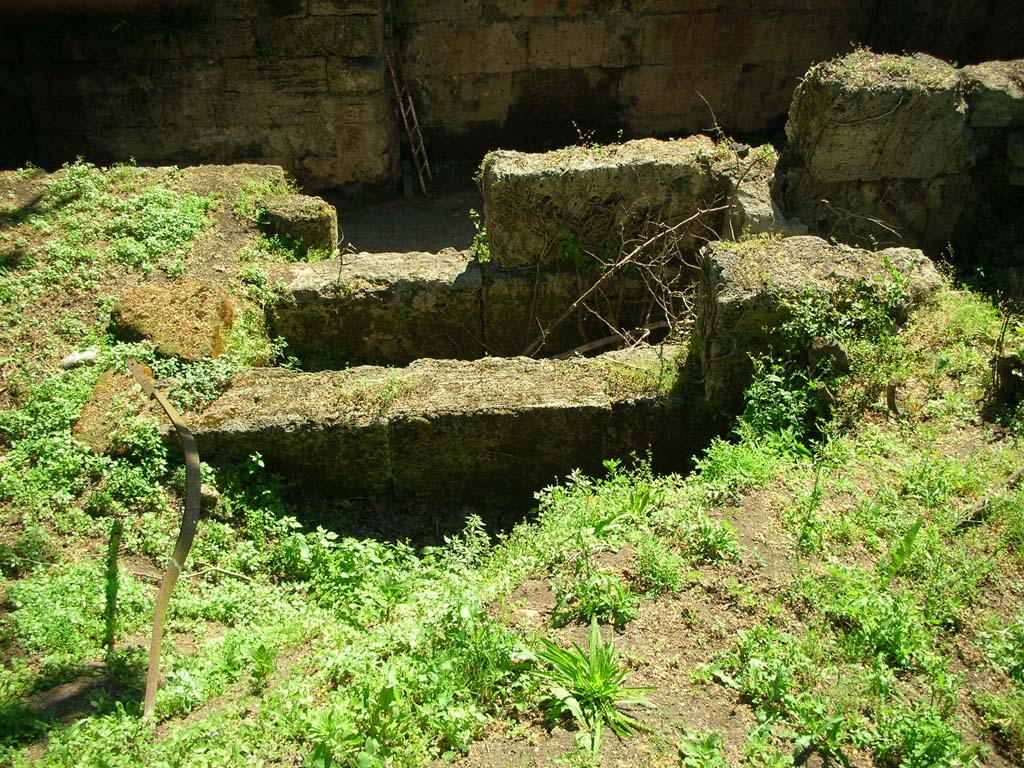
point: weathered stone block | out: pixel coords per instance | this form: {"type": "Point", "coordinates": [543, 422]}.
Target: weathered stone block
{"type": "Point", "coordinates": [867, 117]}
{"type": "Point", "coordinates": [324, 429]}
{"type": "Point", "coordinates": [468, 47]}
{"type": "Point", "coordinates": [674, 94]}
{"type": "Point", "coordinates": [189, 76]}
{"type": "Point", "coordinates": [911, 212]}
{"type": "Point", "coordinates": [350, 36]}
{"type": "Point", "coordinates": [749, 173]}
{"type": "Point", "coordinates": [622, 43]}
{"type": "Point", "coordinates": [514, 9]}
{"type": "Point", "coordinates": [350, 76]}
{"type": "Point", "coordinates": [995, 94]}
{"type": "Point", "coordinates": [458, 99]}
{"type": "Point", "coordinates": [306, 75]}
{"type": "Point", "coordinates": [282, 9]}
{"type": "Point", "coordinates": [568, 205]}
{"type": "Point", "coordinates": [564, 44]}
{"type": "Point", "coordinates": [115, 403]}
{"type": "Point", "coordinates": [310, 222]}
{"type": "Point", "coordinates": [345, 7]}
{"type": "Point", "coordinates": [694, 39]}
{"type": "Point", "coordinates": [182, 318]}
{"type": "Point", "coordinates": [492, 430]}
{"type": "Point", "coordinates": [385, 308]}
{"type": "Point", "coordinates": [228, 39]}
{"type": "Point", "coordinates": [359, 36]}
{"type": "Point", "coordinates": [495, 429]}
{"type": "Point", "coordinates": [746, 288]}
{"type": "Point", "coordinates": [408, 11]}
{"type": "Point", "coordinates": [372, 110]}
{"type": "Point", "coordinates": [270, 110]}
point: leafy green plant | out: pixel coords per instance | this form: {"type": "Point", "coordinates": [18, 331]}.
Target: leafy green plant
{"type": "Point", "coordinates": [264, 662]}
{"type": "Point", "coordinates": [901, 552]}
{"type": "Point", "coordinates": [481, 245]}
{"type": "Point", "coordinates": [32, 549]}
{"type": "Point", "coordinates": [1004, 648]}
{"type": "Point", "coordinates": [594, 594]}
{"type": "Point", "coordinates": [702, 750]}
{"type": "Point", "coordinates": [658, 568]}
{"type": "Point", "coordinates": [710, 541]}
{"type": "Point", "coordinates": [157, 223]}
{"type": "Point", "coordinates": [588, 686]}
{"type": "Point", "coordinates": [918, 736]}
{"type": "Point", "coordinates": [248, 203]}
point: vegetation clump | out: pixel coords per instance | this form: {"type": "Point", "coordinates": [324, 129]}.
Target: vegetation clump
{"type": "Point", "coordinates": [836, 578]}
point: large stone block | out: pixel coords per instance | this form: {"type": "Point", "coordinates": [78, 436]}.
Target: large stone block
{"type": "Point", "coordinates": [325, 429]}
{"type": "Point", "coordinates": [355, 76]}
{"type": "Point", "coordinates": [227, 39]}
{"type": "Point", "coordinates": [493, 430]}
{"type": "Point", "coordinates": [182, 318]}
{"type": "Point", "coordinates": [407, 11]}
{"type": "Point", "coordinates": [268, 110]}
{"type": "Point", "coordinates": [189, 76]}
{"type": "Point", "coordinates": [381, 308]}
{"type": "Point", "coordinates": [448, 100]}
{"type": "Point", "coordinates": [514, 9]}
{"type": "Point", "coordinates": [350, 36]}
{"type": "Point", "coordinates": [684, 99]}
{"type": "Point", "coordinates": [573, 204]}
{"type": "Point", "coordinates": [623, 41]}
{"type": "Point", "coordinates": [995, 94]}
{"type": "Point", "coordinates": [302, 75]}
{"type": "Point", "coordinates": [564, 44]}
{"type": "Point", "coordinates": [695, 39]}
{"type": "Point", "coordinates": [309, 222]}
{"type": "Point", "coordinates": [867, 117]}
{"type": "Point", "coordinates": [345, 7]}
{"type": "Point", "coordinates": [746, 290]}
{"type": "Point", "coordinates": [467, 47]}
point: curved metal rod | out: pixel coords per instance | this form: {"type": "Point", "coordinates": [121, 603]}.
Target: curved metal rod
{"type": "Point", "coordinates": [189, 523]}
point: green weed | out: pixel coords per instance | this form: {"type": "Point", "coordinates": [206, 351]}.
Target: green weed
{"type": "Point", "coordinates": [594, 595]}
{"type": "Point", "coordinates": [588, 687]}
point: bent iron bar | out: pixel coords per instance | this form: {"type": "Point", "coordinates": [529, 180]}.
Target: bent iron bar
{"type": "Point", "coordinates": [189, 523]}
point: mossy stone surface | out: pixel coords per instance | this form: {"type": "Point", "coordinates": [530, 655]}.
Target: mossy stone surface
{"type": "Point", "coordinates": [182, 318]}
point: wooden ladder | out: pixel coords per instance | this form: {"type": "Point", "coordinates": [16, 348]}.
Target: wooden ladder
{"type": "Point", "coordinates": [407, 110]}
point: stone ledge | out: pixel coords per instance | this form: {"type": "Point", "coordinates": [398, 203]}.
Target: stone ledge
{"type": "Point", "coordinates": [746, 288]}
{"type": "Point", "coordinates": [492, 430]}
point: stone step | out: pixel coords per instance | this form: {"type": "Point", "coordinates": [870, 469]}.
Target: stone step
{"type": "Point", "coordinates": [493, 430]}
{"type": "Point", "coordinates": [394, 308]}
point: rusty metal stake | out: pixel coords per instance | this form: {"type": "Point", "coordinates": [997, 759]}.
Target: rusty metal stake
{"type": "Point", "coordinates": [189, 523]}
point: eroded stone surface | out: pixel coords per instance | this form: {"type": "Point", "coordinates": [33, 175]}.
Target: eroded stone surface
{"type": "Point", "coordinates": [567, 207]}
{"type": "Point", "coordinates": [995, 93]}
{"type": "Point", "coordinates": [116, 402]}
{"type": "Point", "coordinates": [903, 150]}
{"type": "Point", "coordinates": [392, 308]}
{"type": "Point", "coordinates": [868, 117]}
{"type": "Point", "coordinates": [558, 207]}
{"type": "Point", "coordinates": [746, 288]}
{"type": "Point", "coordinates": [309, 222]}
{"type": "Point", "coordinates": [494, 429]}
{"type": "Point", "coordinates": [381, 307]}
{"type": "Point", "coordinates": [182, 318]}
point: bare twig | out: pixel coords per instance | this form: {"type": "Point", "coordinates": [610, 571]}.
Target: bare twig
{"type": "Point", "coordinates": [611, 269]}
{"type": "Point", "coordinates": [628, 337]}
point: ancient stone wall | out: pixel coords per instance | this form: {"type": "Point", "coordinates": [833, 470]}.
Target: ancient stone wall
{"type": "Point", "coordinates": [520, 73]}
{"type": "Point", "coordinates": [302, 83]}
{"type": "Point", "coordinates": [297, 83]}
